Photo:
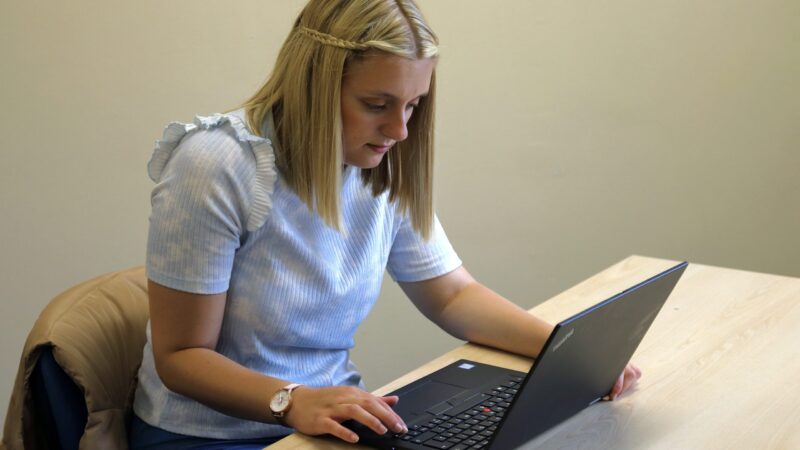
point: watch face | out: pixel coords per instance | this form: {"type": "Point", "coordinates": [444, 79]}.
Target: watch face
{"type": "Point", "coordinates": [279, 401]}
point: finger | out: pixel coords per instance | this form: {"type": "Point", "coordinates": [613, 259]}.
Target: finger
{"type": "Point", "coordinates": [390, 400]}
{"type": "Point", "coordinates": [384, 412]}
{"type": "Point", "coordinates": [359, 414]}
{"type": "Point", "coordinates": [627, 379]}
{"type": "Point", "coordinates": [334, 428]}
{"type": "Point", "coordinates": [617, 386]}
{"type": "Point", "coordinates": [630, 380]}
{"type": "Point", "coordinates": [633, 369]}
{"type": "Point", "coordinates": [376, 407]}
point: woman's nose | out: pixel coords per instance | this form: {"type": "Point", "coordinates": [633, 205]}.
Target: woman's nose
{"type": "Point", "coordinates": [395, 128]}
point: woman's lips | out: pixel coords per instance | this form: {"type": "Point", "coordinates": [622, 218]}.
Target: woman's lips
{"type": "Point", "coordinates": [379, 148]}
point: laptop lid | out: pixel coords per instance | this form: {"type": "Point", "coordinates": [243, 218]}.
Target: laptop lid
{"type": "Point", "coordinates": [582, 359]}
{"type": "Point", "coordinates": [577, 366]}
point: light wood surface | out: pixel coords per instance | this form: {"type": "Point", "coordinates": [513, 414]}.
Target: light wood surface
{"type": "Point", "coordinates": [721, 365]}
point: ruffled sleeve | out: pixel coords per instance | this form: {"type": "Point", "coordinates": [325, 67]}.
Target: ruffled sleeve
{"type": "Point", "coordinates": [265, 173]}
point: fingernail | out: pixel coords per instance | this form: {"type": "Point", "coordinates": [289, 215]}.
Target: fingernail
{"type": "Point", "coordinates": [400, 428]}
{"type": "Point", "coordinates": [384, 430]}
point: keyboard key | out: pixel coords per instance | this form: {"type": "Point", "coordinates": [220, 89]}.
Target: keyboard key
{"type": "Point", "coordinates": [438, 444]}
{"type": "Point", "coordinates": [423, 437]}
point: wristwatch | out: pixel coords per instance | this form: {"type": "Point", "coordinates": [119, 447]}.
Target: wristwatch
{"type": "Point", "coordinates": [281, 402]}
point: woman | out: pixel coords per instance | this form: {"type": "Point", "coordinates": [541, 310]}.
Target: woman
{"type": "Point", "coordinates": [271, 229]}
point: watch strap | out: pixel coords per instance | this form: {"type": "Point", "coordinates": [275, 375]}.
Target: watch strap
{"type": "Point", "coordinates": [289, 388]}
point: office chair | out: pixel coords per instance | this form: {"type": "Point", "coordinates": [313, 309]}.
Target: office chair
{"type": "Point", "coordinates": [77, 374]}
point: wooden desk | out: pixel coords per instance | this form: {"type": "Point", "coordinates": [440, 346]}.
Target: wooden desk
{"type": "Point", "coordinates": [721, 365]}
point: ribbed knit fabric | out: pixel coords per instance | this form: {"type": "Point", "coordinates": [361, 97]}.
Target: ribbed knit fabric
{"type": "Point", "coordinates": [224, 220]}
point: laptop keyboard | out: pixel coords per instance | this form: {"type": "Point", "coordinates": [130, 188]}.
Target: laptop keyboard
{"type": "Point", "coordinates": [468, 426]}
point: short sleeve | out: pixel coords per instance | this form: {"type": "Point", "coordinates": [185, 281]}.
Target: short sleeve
{"type": "Point", "coordinates": [414, 259]}
{"type": "Point", "coordinates": [208, 189]}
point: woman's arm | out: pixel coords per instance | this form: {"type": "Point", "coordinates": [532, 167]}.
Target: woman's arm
{"type": "Point", "coordinates": [185, 328]}
{"type": "Point", "coordinates": [469, 310]}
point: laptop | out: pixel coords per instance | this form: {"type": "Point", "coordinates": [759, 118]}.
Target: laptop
{"type": "Point", "coordinates": [470, 405]}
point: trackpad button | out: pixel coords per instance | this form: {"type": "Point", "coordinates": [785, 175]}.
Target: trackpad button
{"type": "Point", "coordinates": [429, 396]}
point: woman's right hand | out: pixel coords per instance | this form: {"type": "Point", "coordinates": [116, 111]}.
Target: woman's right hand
{"type": "Point", "coordinates": [322, 410]}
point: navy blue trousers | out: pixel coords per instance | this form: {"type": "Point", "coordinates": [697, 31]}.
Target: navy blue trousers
{"type": "Point", "coordinates": [143, 436]}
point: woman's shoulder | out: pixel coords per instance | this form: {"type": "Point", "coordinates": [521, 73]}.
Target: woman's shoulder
{"type": "Point", "coordinates": [220, 145]}
{"type": "Point", "coordinates": [216, 136]}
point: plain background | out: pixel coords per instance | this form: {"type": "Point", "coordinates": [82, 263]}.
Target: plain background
{"type": "Point", "coordinates": [570, 135]}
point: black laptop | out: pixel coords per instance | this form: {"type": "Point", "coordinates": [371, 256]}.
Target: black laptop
{"type": "Point", "coordinates": [469, 405]}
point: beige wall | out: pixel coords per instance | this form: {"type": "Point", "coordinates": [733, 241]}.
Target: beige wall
{"type": "Point", "coordinates": [570, 135]}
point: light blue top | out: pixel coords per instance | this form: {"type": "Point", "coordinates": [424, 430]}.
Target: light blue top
{"type": "Point", "coordinates": [223, 219]}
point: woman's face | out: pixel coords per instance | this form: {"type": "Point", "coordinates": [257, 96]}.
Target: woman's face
{"type": "Point", "coordinates": [379, 94]}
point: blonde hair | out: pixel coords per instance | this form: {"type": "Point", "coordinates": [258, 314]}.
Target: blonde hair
{"type": "Point", "coordinates": [303, 94]}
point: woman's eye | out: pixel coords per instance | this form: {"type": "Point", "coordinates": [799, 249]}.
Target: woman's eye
{"type": "Point", "coordinates": [375, 106]}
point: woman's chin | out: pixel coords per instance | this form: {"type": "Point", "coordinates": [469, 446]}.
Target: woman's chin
{"type": "Point", "coordinates": [370, 162]}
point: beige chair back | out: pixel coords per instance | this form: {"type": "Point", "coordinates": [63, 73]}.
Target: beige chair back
{"type": "Point", "coordinates": [97, 330]}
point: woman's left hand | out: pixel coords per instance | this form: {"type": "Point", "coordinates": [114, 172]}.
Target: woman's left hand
{"type": "Point", "coordinates": [625, 381]}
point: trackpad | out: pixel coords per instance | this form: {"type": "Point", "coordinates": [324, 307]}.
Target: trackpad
{"type": "Point", "coordinates": [424, 397]}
